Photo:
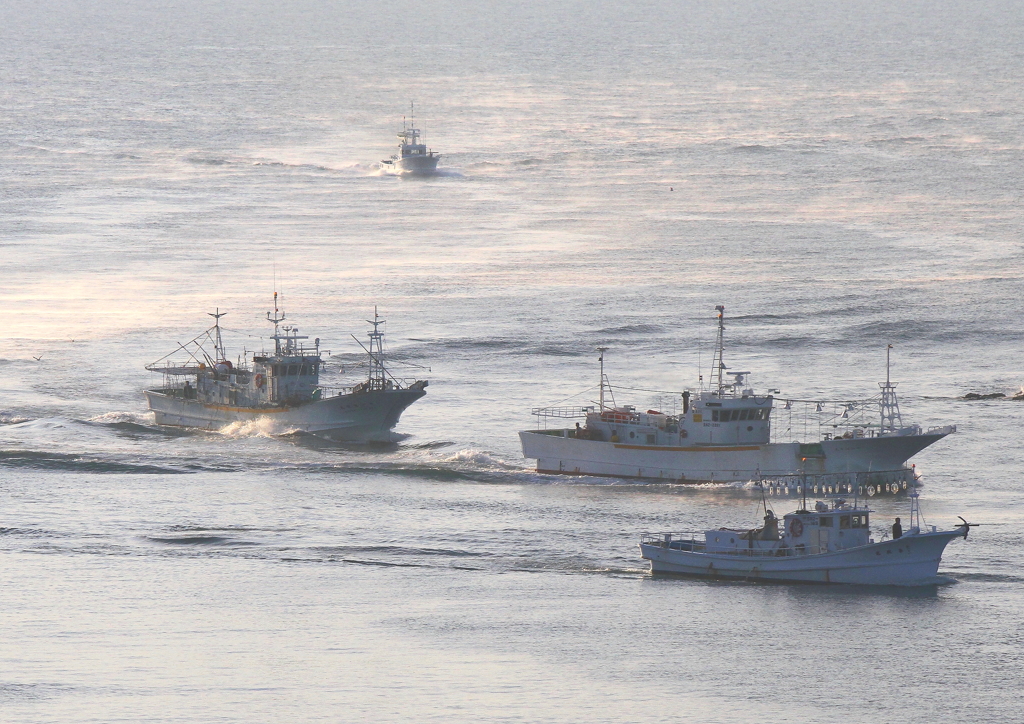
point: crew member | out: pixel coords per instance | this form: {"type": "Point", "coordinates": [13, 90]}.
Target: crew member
{"type": "Point", "coordinates": [897, 530]}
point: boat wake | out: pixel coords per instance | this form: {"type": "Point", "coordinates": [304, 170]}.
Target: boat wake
{"type": "Point", "coordinates": [260, 427]}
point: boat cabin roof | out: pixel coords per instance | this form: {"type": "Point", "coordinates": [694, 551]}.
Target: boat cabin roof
{"type": "Point", "coordinates": [849, 516]}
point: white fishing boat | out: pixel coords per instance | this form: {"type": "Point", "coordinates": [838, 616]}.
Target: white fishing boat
{"type": "Point", "coordinates": [413, 157]}
{"type": "Point", "coordinates": [723, 433]}
{"type": "Point", "coordinates": [829, 544]}
{"type": "Point", "coordinates": [206, 390]}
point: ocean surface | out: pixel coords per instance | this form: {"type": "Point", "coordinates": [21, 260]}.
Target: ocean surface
{"type": "Point", "coordinates": [841, 176]}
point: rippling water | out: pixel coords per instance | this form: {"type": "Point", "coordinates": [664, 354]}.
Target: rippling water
{"type": "Point", "coordinates": [840, 177]}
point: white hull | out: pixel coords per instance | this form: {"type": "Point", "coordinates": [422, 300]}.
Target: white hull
{"type": "Point", "coordinates": [910, 560]}
{"type": "Point", "coordinates": [361, 417]}
{"type": "Point", "coordinates": [413, 165]}
{"type": "Point", "coordinates": [557, 451]}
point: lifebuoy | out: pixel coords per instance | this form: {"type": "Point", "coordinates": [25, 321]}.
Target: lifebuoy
{"type": "Point", "coordinates": [683, 433]}
{"type": "Point", "coordinates": [259, 381]}
{"type": "Point", "coordinates": [796, 527]}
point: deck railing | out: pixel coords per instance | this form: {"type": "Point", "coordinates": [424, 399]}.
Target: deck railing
{"type": "Point", "coordinates": [569, 412]}
{"type": "Point", "coordinates": [689, 542]}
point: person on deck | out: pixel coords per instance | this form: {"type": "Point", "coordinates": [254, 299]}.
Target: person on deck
{"type": "Point", "coordinates": [897, 530]}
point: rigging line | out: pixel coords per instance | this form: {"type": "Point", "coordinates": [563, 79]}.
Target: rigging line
{"type": "Point", "coordinates": [182, 346]}
{"type": "Point", "coordinates": [238, 331]}
{"type": "Point", "coordinates": [395, 361]}
{"type": "Point", "coordinates": [643, 389]}
{"type": "Point", "coordinates": [831, 402]}
{"type": "Point", "coordinates": [375, 358]}
{"type": "Point", "coordinates": [575, 394]}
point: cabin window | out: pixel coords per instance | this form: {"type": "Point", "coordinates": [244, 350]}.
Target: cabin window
{"type": "Point", "coordinates": [293, 369]}
{"type": "Point", "coordinates": [745, 414]}
{"type": "Point", "coordinates": [304, 370]}
{"type": "Point", "coordinates": [714, 416]}
{"type": "Point", "coordinates": [844, 521]}
{"type": "Point", "coordinates": [860, 521]}
{"type": "Point", "coordinates": [825, 522]}
{"type": "Point", "coordinates": [736, 415]}
{"type": "Point", "coordinates": [277, 370]}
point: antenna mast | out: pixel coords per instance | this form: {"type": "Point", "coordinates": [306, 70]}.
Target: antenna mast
{"type": "Point", "coordinates": [276, 320]}
{"type": "Point", "coordinates": [218, 345]}
{"type": "Point", "coordinates": [377, 373]}
{"type": "Point", "coordinates": [604, 380]}
{"type": "Point", "coordinates": [889, 407]}
{"type": "Point", "coordinates": [718, 364]}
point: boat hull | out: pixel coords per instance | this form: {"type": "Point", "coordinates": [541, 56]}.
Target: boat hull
{"type": "Point", "coordinates": [358, 417]}
{"type": "Point", "coordinates": [560, 452]}
{"type": "Point", "coordinates": [413, 165]}
{"type": "Point", "coordinates": [912, 560]}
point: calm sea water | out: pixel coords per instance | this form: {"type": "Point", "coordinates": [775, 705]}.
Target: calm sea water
{"type": "Point", "coordinates": [839, 176]}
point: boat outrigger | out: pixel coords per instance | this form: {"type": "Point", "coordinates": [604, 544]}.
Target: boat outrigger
{"type": "Point", "coordinates": [413, 157]}
{"type": "Point", "coordinates": [724, 434]}
{"type": "Point", "coordinates": [828, 544]}
{"type": "Point", "coordinates": [208, 391]}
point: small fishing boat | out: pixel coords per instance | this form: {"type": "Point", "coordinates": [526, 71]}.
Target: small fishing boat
{"type": "Point", "coordinates": [832, 543]}
{"type": "Point", "coordinates": [206, 390]}
{"type": "Point", "coordinates": [724, 433]}
{"type": "Point", "coordinates": [413, 157]}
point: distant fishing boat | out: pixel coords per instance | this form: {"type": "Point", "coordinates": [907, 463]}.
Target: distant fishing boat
{"type": "Point", "coordinates": [829, 544]}
{"type": "Point", "coordinates": [207, 391]}
{"type": "Point", "coordinates": [723, 434]}
{"type": "Point", "coordinates": [413, 157]}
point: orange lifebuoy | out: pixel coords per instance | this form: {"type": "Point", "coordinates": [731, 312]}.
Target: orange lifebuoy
{"type": "Point", "coordinates": [259, 381]}
{"type": "Point", "coordinates": [796, 527]}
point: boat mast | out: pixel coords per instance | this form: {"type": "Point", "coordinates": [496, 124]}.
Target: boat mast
{"type": "Point", "coordinates": [377, 373]}
{"type": "Point", "coordinates": [915, 511]}
{"type": "Point", "coordinates": [718, 364]}
{"type": "Point", "coordinates": [218, 344]}
{"type": "Point", "coordinates": [889, 407]}
{"type": "Point", "coordinates": [276, 320]}
{"type": "Point", "coordinates": [600, 359]}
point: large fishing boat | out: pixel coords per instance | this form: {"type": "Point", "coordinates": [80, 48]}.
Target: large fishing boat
{"type": "Point", "coordinates": [724, 434]}
{"type": "Point", "coordinates": [413, 157]}
{"type": "Point", "coordinates": [208, 391]}
{"type": "Point", "coordinates": [828, 544]}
